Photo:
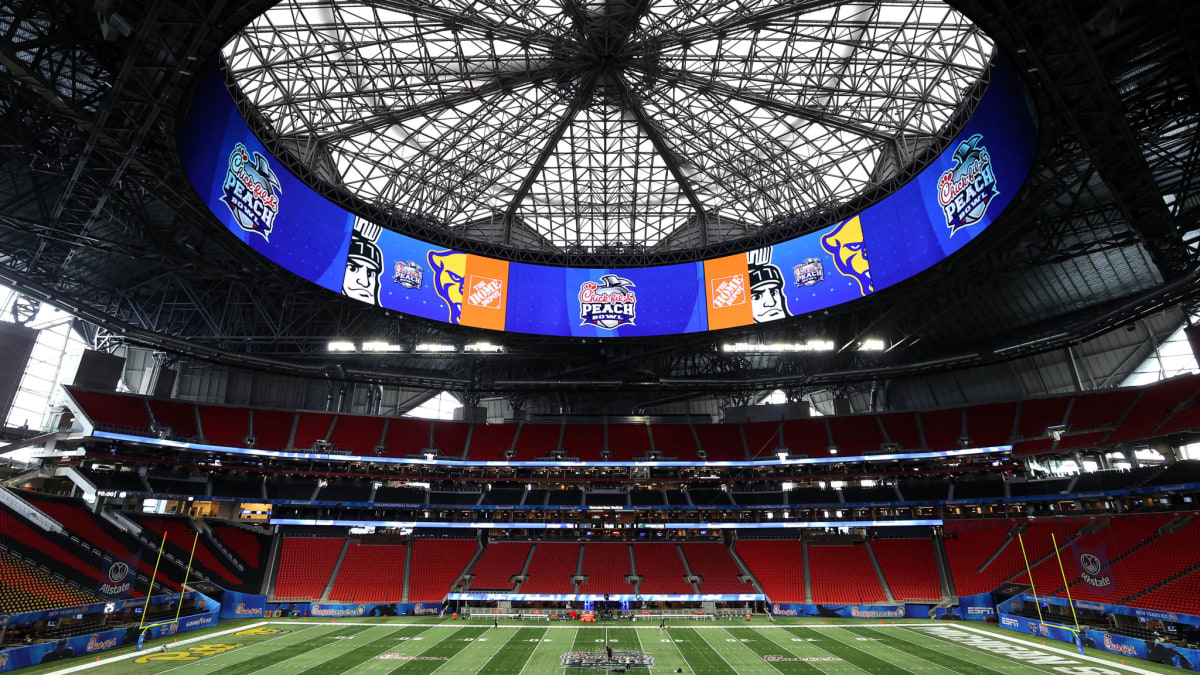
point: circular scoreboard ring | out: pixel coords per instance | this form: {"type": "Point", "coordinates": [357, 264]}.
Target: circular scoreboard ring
{"type": "Point", "coordinates": [946, 205]}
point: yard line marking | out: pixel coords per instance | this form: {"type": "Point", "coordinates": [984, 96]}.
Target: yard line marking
{"type": "Point", "coordinates": [731, 667]}
{"type": "Point", "coordinates": [937, 666]}
{"type": "Point", "coordinates": [134, 655]}
{"type": "Point", "coordinates": [836, 656]}
{"type": "Point", "coordinates": [1047, 648]}
{"type": "Point", "coordinates": [786, 648]}
{"type": "Point", "coordinates": [689, 665]}
{"type": "Point", "coordinates": [863, 651]}
{"type": "Point", "coordinates": [530, 656]}
{"type": "Point", "coordinates": [637, 634]}
{"type": "Point", "coordinates": [394, 639]}
{"type": "Point", "coordinates": [193, 663]}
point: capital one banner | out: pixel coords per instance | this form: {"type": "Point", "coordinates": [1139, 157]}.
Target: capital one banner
{"type": "Point", "coordinates": [944, 207]}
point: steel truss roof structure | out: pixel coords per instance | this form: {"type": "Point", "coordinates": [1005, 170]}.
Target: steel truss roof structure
{"type": "Point", "coordinates": [591, 126]}
{"type": "Point", "coordinates": [97, 217]}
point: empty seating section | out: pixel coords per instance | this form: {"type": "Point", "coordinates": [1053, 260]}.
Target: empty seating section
{"type": "Point", "coordinates": [606, 566]}
{"type": "Point", "coordinates": [305, 565]}
{"type": "Point", "coordinates": [1158, 560]}
{"type": "Point", "coordinates": [942, 428]}
{"type": "Point", "coordinates": [370, 574]}
{"type": "Point", "coordinates": [661, 569]}
{"type": "Point", "coordinates": [674, 440]}
{"type": "Point", "coordinates": [1154, 408]}
{"type": "Point", "coordinates": [26, 588]}
{"type": "Point", "coordinates": [1181, 595]}
{"type": "Point", "coordinates": [181, 417]}
{"type": "Point", "coordinates": [551, 568]}
{"type": "Point", "coordinates": [721, 441]}
{"type": "Point", "coordinates": [762, 439]}
{"type": "Point", "coordinates": [627, 441]}
{"type": "Point", "coordinates": [856, 435]}
{"type": "Point", "coordinates": [357, 433]}
{"type": "Point", "coordinates": [180, 536]}
{"type": "Point", "coordinates": [17, 534]}
{"type": "Point", "coordinates": [1167, 407]}
{"type": "Point", "coordinates": [310, 428]}
{"type": "Point", "coordinates": [490, 441]}
{"type": "Point", "coordinates": [778, 566]}
{"type": "Point", "coordinates": [450, 438]}
{"type": "Point", "coordinates": [225, 426]}
{"type": "Point", "coordinates": [807, 437]}
{"type": "Point", "coordinates": [843, 574]}
{"type": "Point", "coordinates": [406, 437]}
{"type": "Point", "coordinates": [1093, 411]}
{"type": "Point", "coordinates": [75, 518]}
{"type": "Point", "coordinates": [910, 568]}
{"type": "Point", "coordinates": [497, 566]}
{"type": "Point", "coordinates": [435, 565]}
{"type": "Point", "coordinates": [1039, 413]}
{"type": "Point", "coordinates": [717, 571]}
{"type": "Point", "coordinates": [1121, 535]}
{"type": "Point", "coordinates": [1037, 539]}
{"type": "Point", "coordinates": [902, 428]}
{"type": "Point", "coordinates": [990, 424]}
{"type": "Point", "coordinates": [272, 428]}
{"type": "Point", "coordinates": [536, 440]}
{"type": "Point", "coordinates": [248, 546]}
{"type": "Point", "coordinates": [585, 441]}
{"type": "Point", "coordinates": [113, 411]}
{"type": "Point", "coordinates": [969, 544]}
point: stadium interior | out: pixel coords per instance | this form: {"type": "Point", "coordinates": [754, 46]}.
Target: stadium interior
{"type": "Point", "coordinates": [496, 311]}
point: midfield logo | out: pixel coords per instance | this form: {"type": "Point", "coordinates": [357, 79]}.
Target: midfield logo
{"type": "Point", "coordinates": [621, 660]}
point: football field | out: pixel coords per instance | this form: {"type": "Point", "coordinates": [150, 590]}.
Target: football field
{"type": "Point", "coordinates": [402, 645]}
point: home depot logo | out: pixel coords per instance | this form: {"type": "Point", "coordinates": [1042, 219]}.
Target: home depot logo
{"type": "Point", "coordinates": [485, 292]}
{"type": "Point", "coordinates": [729, 291]}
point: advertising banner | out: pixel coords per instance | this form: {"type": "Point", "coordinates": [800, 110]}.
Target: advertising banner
{"type": "Point", "coordinates": [236, 605]}
{"type": "Point", "coordinates": [335, 610]}
{"type": "Point", "coordinates": [1150, 650]}
{"type": "Point", "coordinates": [977, 607]}
{"type": "Point", "coordinates": [945, 206]}
{"type": "Point", "coordinates": [51, 652]}
{"type": "Point", "coordinates": [846, 611]}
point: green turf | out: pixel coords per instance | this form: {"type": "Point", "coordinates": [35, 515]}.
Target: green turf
{"type": "Point", "coordinates": [402, 645]}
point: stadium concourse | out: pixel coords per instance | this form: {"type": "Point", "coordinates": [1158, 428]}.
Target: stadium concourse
{"type": "Point", "coordinates": [701, 336]}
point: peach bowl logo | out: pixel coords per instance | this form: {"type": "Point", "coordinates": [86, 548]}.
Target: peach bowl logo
{"type": "Point", "coordinates": [1128, 650]}
{"type": "Point", "coordinates": [729, 291]}
{"type": "Point", "coordinates": [609, 304]}
{"type": "Point", "coordinates": [485, 292]}
{"type": "Point", "coordinates": [251, 191]}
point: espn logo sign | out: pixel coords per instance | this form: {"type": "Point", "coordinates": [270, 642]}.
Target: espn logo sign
{"type": "Point", "coordinates": [729, 291]}
{"type": "Point", "coordinates": [485, 292]}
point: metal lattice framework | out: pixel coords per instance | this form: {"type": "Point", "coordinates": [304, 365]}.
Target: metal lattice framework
{"type": "Point", "coordinates": [573, 125]}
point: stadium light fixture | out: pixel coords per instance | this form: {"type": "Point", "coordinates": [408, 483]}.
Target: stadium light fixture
{"type": "Point", "coordinates": [433, 348]}
{"type": "Point", "coordinates": [381, 347]}
{"type": "Point", "coordinates": [778, 347]}
{"type": "Point", "coordinates": [342, 346]}
{"type": "Point", "coordinates": [484, 348]}
{"type": "Point", "coordinates": [872, 345]}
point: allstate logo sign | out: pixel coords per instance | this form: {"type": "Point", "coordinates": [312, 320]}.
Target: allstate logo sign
{"type": "Point", "coordinates": [117, 574]}
{"type": "Point", "coordinates": [1092, 566]}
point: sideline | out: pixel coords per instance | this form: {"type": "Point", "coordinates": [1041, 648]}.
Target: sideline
{"type": "Point", "coordinates": [134, 655]}
{"type": "Point", "coordinates": [1033, 645]}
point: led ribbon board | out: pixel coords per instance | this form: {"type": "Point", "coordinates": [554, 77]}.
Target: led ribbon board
{"type": "Point", "coordinates": [787, 461]}
{"type": "Point", "coordinates": [488, 525]}
{"type": "Point", "coordinates": [940, 210]}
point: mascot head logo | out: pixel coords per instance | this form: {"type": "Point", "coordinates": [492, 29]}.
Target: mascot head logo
{"type": "Point", "coordinates": [449, 276]}
{"type": "Point", "coordinates": [251, 191]}
{"type": "Point", "coordinates": [363, 264]}
{"type": "Point", "coordinates": [845, 244]}
{"type": "Point", "coordinates": [768, 299]}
